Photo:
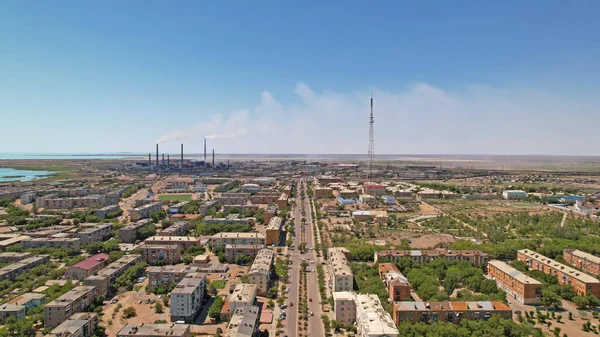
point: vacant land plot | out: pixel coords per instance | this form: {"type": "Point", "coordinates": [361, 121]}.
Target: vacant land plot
{"type": "Point", "coordinates": [175, 197]}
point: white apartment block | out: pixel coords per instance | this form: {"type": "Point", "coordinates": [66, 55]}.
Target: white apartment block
{"type": "Point", "coordinates": [342, 278]}
{"type": "Point", "coordinates": [262, 270]}
{"type": "Point", "coordinates": [187, 297]}
{"type": "Point", "coordinates": [237, 238]}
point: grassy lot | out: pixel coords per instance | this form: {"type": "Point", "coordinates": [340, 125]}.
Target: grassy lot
{"type": "Point", "coordinates": [219, 284]}
{"type": "Point", "coordinates": [175, 197]}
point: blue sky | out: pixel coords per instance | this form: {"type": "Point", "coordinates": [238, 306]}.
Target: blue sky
{"type": "Point", "coordinates": [508, 77]}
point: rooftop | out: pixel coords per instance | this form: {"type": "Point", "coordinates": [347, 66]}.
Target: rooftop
{"type": "Point", "coordinates": [91, 262]}
{"type": "Point", "coordinates": [583, 277]}
{"type": "Point", "coordinates": [243, 292]}
{"type": "Point", "coordinates": [189, 283]}
{"type": "Point", "coordinates": [174, 330]}
{"type": "Point", "coordinates": [517, 275]}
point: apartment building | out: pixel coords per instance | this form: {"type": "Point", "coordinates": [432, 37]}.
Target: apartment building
{"type": "Point", "coordinates": [188, 297]}
{"type": "Point", "coordinates": [371, 319]}
{"type": "Point", "coordinates": [129, 233]}
{"type": "Point", "coordinates": [175, 209]}
{"type": "Point", "coordinates": [341, 278]}
{"type": "Point", "coordinates": [13, 257]}
{"type": "Point", "coordinates": [323, 192]}
{"type": "Point", "coordinates": [282, 202]}
{"type": "Point", "coordinates": [73, 243]}
{"type": "Point", "coordinates": [104, 211]}
{"type": "Point", "coordinates": [452, 312]}
{"type": "Point", "coordinates": [231, 251]}
{"type": "Point", "coordinates": [273, 231]}
{"type": "Point", "coordinates": [233, 198]}
{"type": "Point", "coordinates": [105, 278]}
{"type": "Point", "coordinates": [75, 300]}
{"type": "Point", "coordinates": [81, 324]}
{"type": "Point", "coordinates": [169, 275]}
{"type": "Point", "coordinates": [179, 228]}
{"type": "Point", "coordinates": [161, 254]}
{"type": "Point", "coordinates": [237, 238]}
{"type": "Point", "coordinates": [324, 180]}
{"type": "Point", "coordinates": [516, 284]}
{"type": "Point", "coordinates": [583, 283]}
{"type": "Point", "coordinates": [264, 181]}
{"type": "Point", "coordinates": [53, 202]}
{"type": "Point", "coordinates": [261, 271]}
{"type": "Point", "coordinates": [250, 188]}
{"type": "Point", "coordinates": [396, 283]}
{"type": "Point", "coordinates": [263, 198]}
{"type": "Point", "coordinates": [11, 271]}
{"type": "Point", "coordinates": [93, 233]}
{"type": "Point", "coordinates": [514, 194]}
{"type": "Point", "coordinates": [184, 242]}
{"type": "Point", "coordinates": [144, 211]}
{"type": "Point", "coordinates": [205, 206]}
{"type": "Point", "coordinates": [231, 219]}
{"type": "Point", "coordinates": [243, 295]}
{"type": "Point", "coordinates": [244, 322]}
{"type": "Point", "coordinates": [344, 307]}
{"type": "Point", "coordinates": [18, 306]}
{"type": "Point", "coordinates": [288, 190]}
{"type": "Point", "coordinates": [374, 189]}
{"type": "Point", "coordinates": [270, 212]}
{"type": "Point", "coordinates": [86, 268]}
{"type": "Point", "coordinates": [155, 330]}
{"type": "Point", "coordinates": [477, 257]}
{"type": "Point", "coordinates": [587, 262]}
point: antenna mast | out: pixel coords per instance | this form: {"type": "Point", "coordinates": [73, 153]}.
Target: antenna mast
{"type": "Point", "coordinates": [371, 138]}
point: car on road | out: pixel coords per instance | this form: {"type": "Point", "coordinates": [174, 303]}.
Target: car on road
{"type": "Point", "coordinates": [140, 302]}
{"type": "Point", "coordinates": [312, 313]}
{"type": "Point", "coordinates": [283, 306]}
{"type": "Point", "coordinates": [310, 299]}
{"type": "Point", "coordinates": [291, 304]}
{"type": "Point", "coordinates": [114, 301]}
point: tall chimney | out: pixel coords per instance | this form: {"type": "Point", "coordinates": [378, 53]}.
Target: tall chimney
{"type": "Point", "coordinates": [205, 150]}
{"type": "Point", "coordinates": [213, 157]}
{"type": "Point", "coordinates": [168, 161]}
{"type": "Point", "coordinates": [163, 159]}
{"type": "Point", "coordinates": [181, 155]}
{"type": "Point", "coordinates": [149, 159]}
{"type": "Point", "coordinates": [156, 154]}
{"type": "Point", "coordinates": [228, 164]}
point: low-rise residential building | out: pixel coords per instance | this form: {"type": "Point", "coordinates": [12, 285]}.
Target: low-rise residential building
{"type": "Point", "coordinates": [232, 251]}
{"type": "Point", "coordinates": [188, 297]}
{"type": "Point", "coordinates": [396, 283]}
{"type": "Point", "coordinates": [243, 295]}
{"type": "Point", "coordinates": [169, 276]}
{"type": "Point", "coordinates": [453, 312]}
{"type": "Point", "coordinates": [344, 307]}
{"type": "Point", "coordinates": [18, 306]}
{"type": "Point", "coordinates": [377, 216]}
{"type": "Point", "coordinates": [81, 324]}
{"type": "Point", "coordinates": [155, 330]}
{"type": "Point", "coordinates": [374, 189]}
{"type": "Point", "coordinates": [161, 254]}
{"type": "Point", "coordinates": [75, 300]}
{"type": "Point", "coordinates": [231, 219]}
{"type": "Point", "coordinates": [587, 262]}
{"type": "Point", "coordinates": [251, 187]}
{"type": "Point", "coordinates": [270, 212]}
{"type": "Point", "coordinates": [244, 322]}
{"type": "Point", "coordinates": [105, 278]}
{"type": "Point", "coordinates": [104, 211]}
{"type": "Point", "coordinates": [129, 233]}
{"type": "Point", "coordinates": [264, 181]}
{"type": "Point", "coordinates": [514, 194]}
{"type": "Point", "coordinates": [261, 271]}
{"type": "Point", "coordinates": [93, 233]}
{"type": "Point", "coordinates": [583, 283]}
{"type": "Point", "coordinates": [324, 180]}
{"type": "Point", "coordinates": [13, 257]}
{"type": "Point", "coordinates": [237, 238]}
{"type": "Point", "coordinates": [86, 268]}
{"type": "Point", "coordinates": [174, 209]}
{"type": "Point", "coordinates": [11, 271]}
{"type": "Point", "coordinates": [516, 284]}
{"type": "Point", "coordinates": [265, 197]}
{"type": "Point", "coordinates": [477, 257]}
{"type": "Point", "coordinates": [371, 319]}
{"type": "Point", "coordinates": [144, 211]}
{"type": "Point", "coordinates": [179, 228]}
{"type": "Point", "coordinates": [184, 242]}
{"type": "Point", "coordinates": [73, 243]}
{"type": "Point", "coordinates": [389, 200]}
{"type": "Point", "coordinates": [273, 231]}
{"type": "Point", "coordinates": [323, 192]}
{"type": "Point", "coordinates": [341, 278]}
{"type": "Point", "coordinates": [282, 202]}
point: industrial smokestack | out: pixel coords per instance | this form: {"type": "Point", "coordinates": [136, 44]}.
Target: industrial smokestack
{"type": "Point", "coordinates": [149, 159]}
{"type": "Point", "coordinates": [156, 154]}
{"type": "Point", "coordinates": [182, 155]}
{"type": "Point", "coordinates": [228, 164]}
{"type": "Point", "coordinates": [205, 150]}
{"type": "Point", "coordinates": [213, 157]}
{"type": "Point", "coordinates": [168, 161]}
{"type": "Point", "coordinates": [163, 159]}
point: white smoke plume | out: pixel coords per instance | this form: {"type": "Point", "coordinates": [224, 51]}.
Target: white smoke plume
{"type": "Point", "coordinates": [174, 136]}
{"type": "Point", "coordinates": [235, 134]}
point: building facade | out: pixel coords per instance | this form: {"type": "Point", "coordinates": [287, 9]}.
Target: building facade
{"type": "Point", "coordinates": [104, 280]}
{"type": "Point", "coordinates": [587, 262]}
{"type": "Point", "coordinates": [514, 283]}
{"type": "Point", "coordinates": [261, 271]}
{"type": "Point", "coordinates": [478, 258]}
{"type": "Point", "coordinates": [75, 300]}
{"type": "Point", "coordinates": [396, 283]}
{"type": "Point", "coordinates": [86, 268]}
{"type": "Point", "coordinates": [452, 312]}
{"type": "Point", "coordinates": [161, 254]}
{"type": "Point", "coordinates": [341, 278]}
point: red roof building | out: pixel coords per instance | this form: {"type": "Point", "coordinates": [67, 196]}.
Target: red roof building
{"type": "Point", "coordinates": [87, 267]}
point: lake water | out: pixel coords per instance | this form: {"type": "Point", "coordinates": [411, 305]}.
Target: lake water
{"type": "Point", "coordinates": [38, 156]}
{"type": "Point", "coordinates": [21, 175]}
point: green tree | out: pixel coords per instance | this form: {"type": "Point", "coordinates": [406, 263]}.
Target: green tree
{"type": "Point", "coordinates": [158, 308]}
{"type": "Point", "coordinates": [550, 298]}
{"type": "Point", "coordinates": [214, 311]}
{"type": "Point", "coordinates": [129, 312]}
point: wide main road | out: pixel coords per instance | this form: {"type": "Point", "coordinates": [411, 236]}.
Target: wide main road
{"type": "Point", "coordinates": [315, 324]}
